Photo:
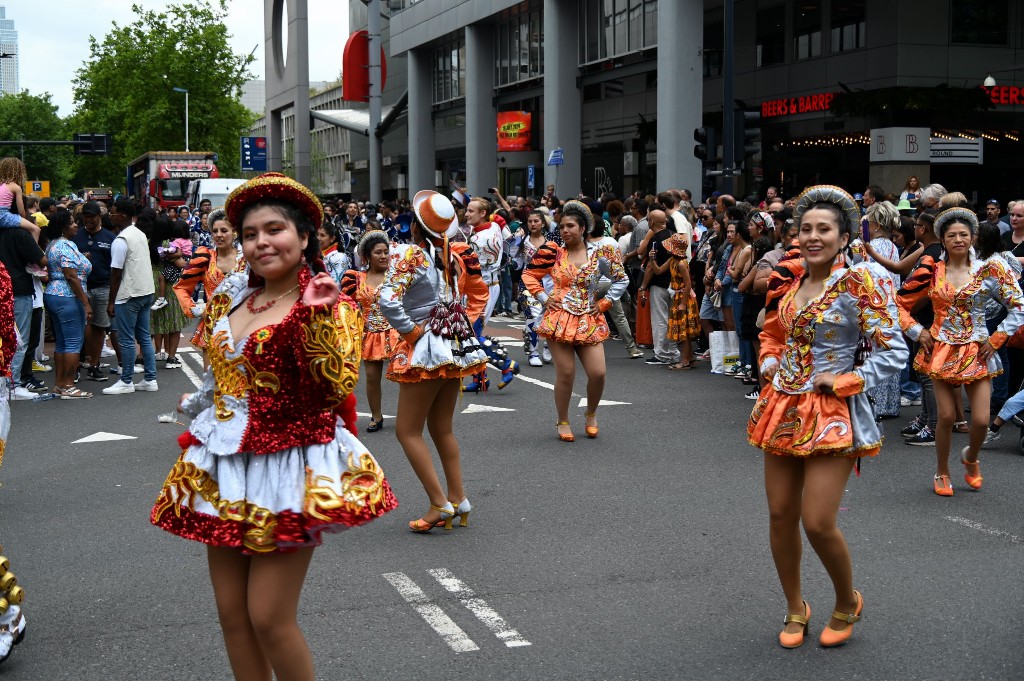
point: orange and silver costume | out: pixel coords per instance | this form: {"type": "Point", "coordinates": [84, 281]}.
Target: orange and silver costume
{"type": "Point", "coordinates": [791, 418]}
{"type": "Point", "coordinates": [579, 320]}
{"type": "Point", "coordinates": [379, 339]}
{"type": "Point", "coordinates": [201, 269]}
{"type": "Point", "coordinates": [959, 327]}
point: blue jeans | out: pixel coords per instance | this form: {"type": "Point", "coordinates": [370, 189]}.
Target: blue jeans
{"type": "Point", "coordinates": [131, 319]}
{"type": "Point", "coordinates": [23, 320]}
{"type": "Point", "coordinates": [68, 316]}
{"type": "Point", "coordinates": [909, 388]}
{"type": "Point", "coordinates": [505, 299]}
{"type": "Point", "coordinates": [1012, 406]}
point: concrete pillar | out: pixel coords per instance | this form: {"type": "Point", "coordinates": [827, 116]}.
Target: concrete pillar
{"type": "Point", "coordinates": [420, 122]}
{"type": "Point", "coordinates": [563, 100]}
{"type": "Point", "coordinates": [481, 115]}
{"type": "Point", "coordinates": [680, 93]}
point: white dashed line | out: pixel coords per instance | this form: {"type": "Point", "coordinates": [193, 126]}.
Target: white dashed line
{"type": "Point", "coordinates": [1014, 539]}
{"type": "Point", "coordinates": [440, 622]}
{"type": "Point", "coordinates": [196, 379]}
{"type": "Point", "coordinates": [485, 613]}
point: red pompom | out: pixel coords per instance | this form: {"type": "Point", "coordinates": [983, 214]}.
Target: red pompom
{"type": "Point", "coordinates": [187, 439]}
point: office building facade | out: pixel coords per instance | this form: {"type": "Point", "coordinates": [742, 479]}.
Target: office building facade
{"type": "Point", "coordinates": [9, 49]}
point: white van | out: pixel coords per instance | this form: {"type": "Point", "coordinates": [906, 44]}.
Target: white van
{"type": "Point", "coordinates": [215, 190]}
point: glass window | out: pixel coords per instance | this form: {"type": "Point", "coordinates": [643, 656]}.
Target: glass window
{"type": "Point", "coordinates": [771, 36]}
{"type": "Point", "coordinates": [848, 21]}
{"type": "Point", "coordinates": [524, 48]}
{"type": "Point", "coordinates": [636, 25]}
{"type": "Point", "coordinates": [807, 29]}
{"type": "Point", "coordinates": [536, 54]}
{"type": "Point", "coordinates": [621, 27]}
{"type": "Point", "coordinates": [714, 46]}
{"type": "Point", "coordinates": [650, 23]}
{"type": "Point", "coordinates": [980, 22]}
{"type": "Point", "coordinates": [462, 69]}
{"type": "Point", "coordinates": [592, 9]}
{"type": "Point", "coordinates": [449, 77]}
{"type": "Point", "coordinates": [607, 29]}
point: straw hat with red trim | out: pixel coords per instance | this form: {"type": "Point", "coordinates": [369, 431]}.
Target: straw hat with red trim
{"type": "Point", "coordinates": [435, 212]}
{"type": "Point", "coordinates": [273, 186]}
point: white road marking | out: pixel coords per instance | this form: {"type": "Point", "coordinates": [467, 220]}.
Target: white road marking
{"type": "Point", "coordinates": [485, 613]}
{"type": "Point", "coordinates": [103, 437]}
{"type": "Point", "coordinates": [196, 379]}
{"type": "Point", "coordinates": [432, 613]}
{"type": "Point", "coordinates": [602, 403]}
{"type": "Point", "coordinates": [369, 415]}
{"type": "Point", "coordinates": [1014, 539]}
{"type": "Point", "coordinates": [482, 408]}
{"type": "Point", "coordinates": [506, 339]}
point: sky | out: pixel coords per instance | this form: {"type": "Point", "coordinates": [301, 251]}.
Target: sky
{"type": "Point", "coordinates": [52, 50]}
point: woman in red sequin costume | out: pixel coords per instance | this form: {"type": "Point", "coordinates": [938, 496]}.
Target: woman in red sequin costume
{"type": "Point", "coordinates": [271, 460]}
{"type": "Point", "coordinates": [379, 338]}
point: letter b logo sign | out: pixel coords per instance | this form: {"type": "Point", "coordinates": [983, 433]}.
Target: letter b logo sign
{"type": "Point", "coordinates": [880, 144]}
{"type": "Point", "coordinates": [912, 144]}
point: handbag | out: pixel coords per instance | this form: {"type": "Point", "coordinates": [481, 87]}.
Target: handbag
{"type": "Point", "coordinates": [716, 299]}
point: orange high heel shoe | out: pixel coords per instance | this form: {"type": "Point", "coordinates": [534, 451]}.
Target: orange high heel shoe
{"type": "Point", "coordinates": [973, 475]}
{"type": "Point", "coordinates": [447, 513]}
{"type": "Point", "coordinates": [565, 437]}
{"type": "Point", "coordinates": [830, 637]}
{"type": "Point", "coordinates": [943, 487]}
{"type": "Point", "coordinates": [592, 430]}
{"type": "Point", "coordinates": [787, 640]}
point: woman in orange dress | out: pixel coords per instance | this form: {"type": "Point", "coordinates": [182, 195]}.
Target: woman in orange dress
{"type": "Point", "coordinates": [814, 418]}
{"type": "Point", "coordinates": [683, 315]}
{"type": "Point", "coordinates": [208, 267]}
{"type": "Point", "coordinates": [573, 321]}
{"type": "Point", "coordinates": [957, 350]}
{"type": "Point", "coordinates": [379, 338]}
{"type": "Point", "coordinates": [422, 300]}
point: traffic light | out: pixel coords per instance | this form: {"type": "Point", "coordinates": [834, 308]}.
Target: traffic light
{"type": "Point", "coordinates": [705, 148]}
{"type": "Point", "coordinates": [98, 144]}
{"type": "Point", "coordinates": [748, 135]}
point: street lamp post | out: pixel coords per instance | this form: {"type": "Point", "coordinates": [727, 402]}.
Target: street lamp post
{"type": "Point", "coordinates": [181, 89]}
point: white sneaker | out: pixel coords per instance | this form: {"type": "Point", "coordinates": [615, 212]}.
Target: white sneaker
{"type": "Point", "coordinates": [159, 304]}
{"type": "Point", "coordinates": [22, 393]}
{"type": "Point", "coordinates": [119, 388]}
{"type": "Point", "coordinates": [910, 402]}
{"type": "Point", "coordinates": [545, 354]}
{"type": "Point", "coordinates": [161, 356]}
{"type": "Point", "coordinates": [990, 436]}
{"type": "Point", "coordinates": [107, 351]}
{"type": "Point", "coordinates": [147, 386]}
{"type": "Point", "coordinates": [535, 360]}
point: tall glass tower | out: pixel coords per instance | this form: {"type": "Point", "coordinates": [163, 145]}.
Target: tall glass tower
{"type": "Point", "coordinates": [8, 54]}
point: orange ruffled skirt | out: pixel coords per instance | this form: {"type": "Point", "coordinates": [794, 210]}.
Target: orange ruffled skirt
{"type": "Point", "coordinates": [683, 318]}
{"type": "Point", "coordinates": [575, 329]}
{"type": "Point", "coordinates": [378, 345]}
{"type": "Point", "coordinates": [957, 364]}
{"type": "Point", "coordinates": [807, 424]}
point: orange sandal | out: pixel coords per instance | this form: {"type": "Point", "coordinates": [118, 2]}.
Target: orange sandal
{"type": "Point", "coordinates": [943, 487]}
{"type": "Point", "coordinates": [787, 640]}
{"type": "Point", "coordinates": [563, 436]}
{"type": "Point", "coordinates": [973, 475]}
{"type": "Point", "coordinates": [592, 431]}
{"type": "Point", "coordinates": [831, 637]}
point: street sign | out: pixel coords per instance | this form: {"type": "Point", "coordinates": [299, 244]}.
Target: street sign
{"type": "Point", "coordinates": [40, 188]}
{"type": "Point", "coordinates": [531, 177]}
{"type": "Point", "coordinates": [254, 154]}
{"type": "Point", "coordinates": [555, 158]}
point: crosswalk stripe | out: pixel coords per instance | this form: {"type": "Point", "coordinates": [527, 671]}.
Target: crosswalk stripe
{"type": "Point", "coordinates": [485, 613]}
{"type": "Point", "coordinates": [432, 613]}
{"type": "Point", "coordinates": [197, 381]}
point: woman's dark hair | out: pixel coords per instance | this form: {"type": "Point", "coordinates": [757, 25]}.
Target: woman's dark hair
{"type": "Point", "coordinates": [907, 230]}
{"type": "Point", "coordinates": [369, 242]}
{"type": "Point", "coordinates": [762, 245]}
{"type": "Point", "coordinates": [58, 224]}
{"type": "Point", "coordinates": [990, 241]}
{"type": "Point", "coordinates": [302, 225]}
{"type": "Point", "coordinates": [504, 215]}
{"type": "Point", "coordinates": [331, 230]}
{"type": "Point", "coordinates": [742, 230]}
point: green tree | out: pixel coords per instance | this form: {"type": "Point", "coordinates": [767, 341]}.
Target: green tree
{"type": "Point", "coordinates": [125, 88]}
{"type": "Point", "coordinates": [34, 117]}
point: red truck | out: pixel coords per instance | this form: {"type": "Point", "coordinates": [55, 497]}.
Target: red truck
{"type": "Point", "coordinates": [160, 178]}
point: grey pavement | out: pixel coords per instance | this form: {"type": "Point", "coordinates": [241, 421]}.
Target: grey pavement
{"type": "Point", "coordinates": [642, 554]}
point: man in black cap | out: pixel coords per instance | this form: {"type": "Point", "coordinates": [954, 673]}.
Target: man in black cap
{"type": "Point", "coordinates": [94, 243]}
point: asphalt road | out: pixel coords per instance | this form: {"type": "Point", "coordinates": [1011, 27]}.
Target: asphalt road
{"type": "Point", "coordinates": [642, 554]}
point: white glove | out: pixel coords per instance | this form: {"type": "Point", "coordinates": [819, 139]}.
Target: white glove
{"type": "Point", "coordinates": [198, 309]}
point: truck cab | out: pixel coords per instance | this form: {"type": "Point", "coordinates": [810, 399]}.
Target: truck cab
{"type": "Point", "coordinates": [215, 190]}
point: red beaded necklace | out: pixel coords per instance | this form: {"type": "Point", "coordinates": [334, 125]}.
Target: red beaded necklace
{"type": "Point", "coordinates": [251, 307]}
